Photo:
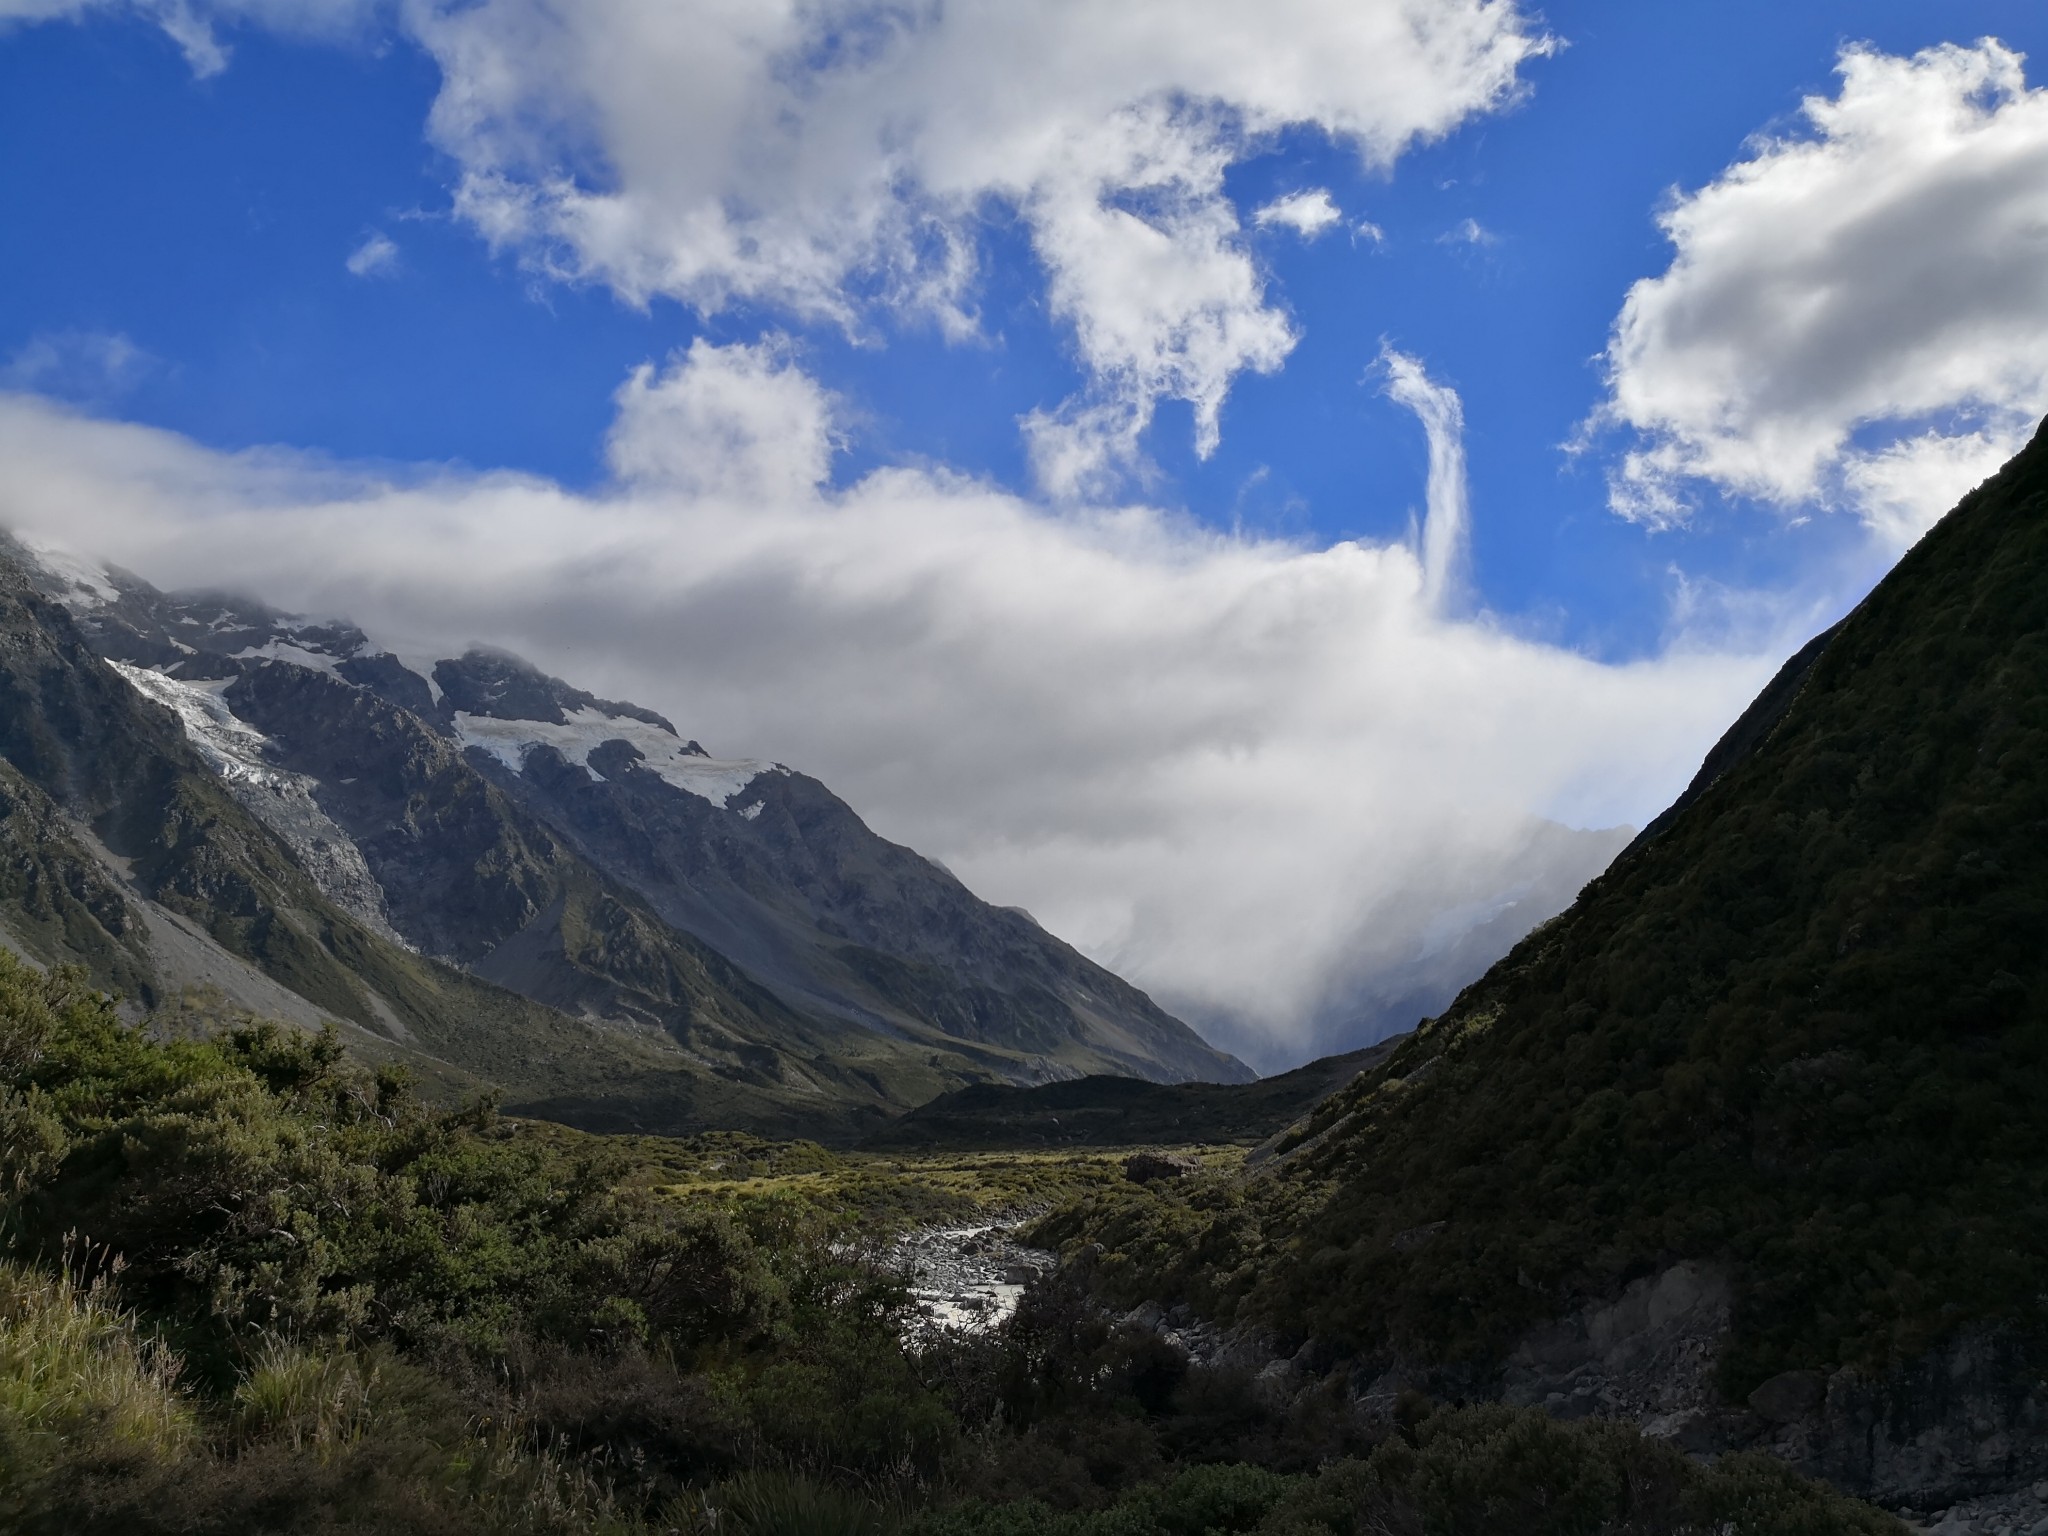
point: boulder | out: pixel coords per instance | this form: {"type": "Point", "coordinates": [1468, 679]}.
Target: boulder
{"type": "Point", "coordinates": [1144, 1167]}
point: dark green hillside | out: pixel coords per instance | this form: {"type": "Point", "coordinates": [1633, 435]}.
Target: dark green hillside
{"type": "Point", "coordinates": [1121, 1111]}
{"type": "Point", "coordinates": [1803, 1030]}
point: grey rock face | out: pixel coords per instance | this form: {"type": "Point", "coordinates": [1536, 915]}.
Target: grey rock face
{"type": "Point", "coordinates": [285, 801]}
{"type": "Point", "coordinates": [1968, 1421]}
{"type": "Point", "coordinates": [1790, 1396]}
{"type": "Point", "coordinates": [786, 879]}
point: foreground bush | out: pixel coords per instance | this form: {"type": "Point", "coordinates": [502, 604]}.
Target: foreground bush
{"type": "Point", "coordinates": [1469, 1472]}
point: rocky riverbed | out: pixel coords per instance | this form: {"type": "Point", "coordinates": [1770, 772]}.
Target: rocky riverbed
{"type": "Point", "coordinates": [967, 1277]}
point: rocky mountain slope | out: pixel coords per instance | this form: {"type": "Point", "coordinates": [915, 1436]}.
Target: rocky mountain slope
{"type": "Point", "coordinates": [1748, 1143]}
{"type": "Point", "coordinates": [473, 816]}
{"type": "Point", "coordinates": [130, 849]}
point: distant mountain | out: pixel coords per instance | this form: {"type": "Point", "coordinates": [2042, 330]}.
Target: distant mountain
{"type": "Point", "coordinates": [1749, 1143]}
{"type": "Point", "coordinates": [1120, 1111]}
{"type": "Point", "coordinates": [580, 853]}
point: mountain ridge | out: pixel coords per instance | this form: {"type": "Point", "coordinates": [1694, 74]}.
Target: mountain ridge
{"type": "Point", "coordinates": [417, 801]}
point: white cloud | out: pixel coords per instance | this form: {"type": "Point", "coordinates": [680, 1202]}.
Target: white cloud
{"type": "Point", "coordinates": [841, 157]}
{"type": "Point", "coordinates": [1308, 214]}
{"type": "Point", "coordinates": [375, 256]}
{"type": "Point", "coordinates": [835, 159]}
{"type": "Point", "coordinates": [1856, 315]}
{"type": "Point", "coordinates": [733, 424]}
{"type": "Point", "coordinates": [1252, 776]}
{"type": "Point", "coordinates": [1446, 534]}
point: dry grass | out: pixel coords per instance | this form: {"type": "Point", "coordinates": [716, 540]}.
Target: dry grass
{"type": "Point", "coordinates": [73, 1368]}
{"type": "Point", "coordinates": [886, 1194]}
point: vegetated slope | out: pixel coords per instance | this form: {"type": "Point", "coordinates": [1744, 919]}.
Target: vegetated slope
{"type": "Point", "coordinates": [130, 854]}
{"type": "Point", "coordinates": [1121, 1111]}
{"type": "Point", "coordinates": [579, 851]}
{"type": "Point", "coordinates": [247, 1286]}
{"type": "Point", "coordinates": [1802, 1030]}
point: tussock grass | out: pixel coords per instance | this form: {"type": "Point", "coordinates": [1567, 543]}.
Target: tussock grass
{"type": "Point", "coordinates": [73, 1367]}
{"type": "Point", "coordinates": [307, 1399]}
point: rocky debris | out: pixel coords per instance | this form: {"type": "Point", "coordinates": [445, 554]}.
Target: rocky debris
{"type": "Point", "coordinates": [1246, 1347]}
{"type": "Point", "coordinates": [1968, 1422]}
{"type": "Point", "coordinates": [2023, 1512]}
{"type": "Point", "coordinates": [967, 1277]}
{"type": "Point", "coordinates": [1147, 1167]}
{"type": "Point", "coordinates": [1648, 1355]}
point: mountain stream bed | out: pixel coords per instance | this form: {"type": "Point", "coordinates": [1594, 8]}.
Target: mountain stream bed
{"type": "Point", "coordinates": [967, 1278]}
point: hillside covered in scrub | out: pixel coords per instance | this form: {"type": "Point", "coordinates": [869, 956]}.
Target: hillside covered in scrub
{"type": "Point", "coordinates": [1100, 1111]}
{"type": "Point", "coordinates": [1798, 1034]}
{"type": "Point", "coordinates": [251, 1288]}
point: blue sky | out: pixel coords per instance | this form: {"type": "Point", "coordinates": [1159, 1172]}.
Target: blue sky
{"type": "Point", "coordinates": [208, 222]}
{"type": "Point", "coordinates": [243, 223]}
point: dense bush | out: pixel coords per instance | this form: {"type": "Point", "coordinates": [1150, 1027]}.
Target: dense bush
{"type": "Point", "coordinates": [1468, 1472]}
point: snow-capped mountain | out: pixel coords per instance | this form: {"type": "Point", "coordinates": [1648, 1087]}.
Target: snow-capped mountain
{"type": "Point", "coordinates": [585, 854]}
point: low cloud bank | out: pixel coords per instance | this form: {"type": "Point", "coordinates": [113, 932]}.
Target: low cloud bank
{"type": "Point", "coordinates": [1265, 781]}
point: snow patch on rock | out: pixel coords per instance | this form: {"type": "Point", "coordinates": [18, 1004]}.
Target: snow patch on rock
{"type": "Point", "coordinates": [709, 778]}
{"type": "Point", "coordinates": [283, 801]}
{"type": "Point", "coordinates": [86, 582]}
{"type": "Point", "coordinates": [297, 655]}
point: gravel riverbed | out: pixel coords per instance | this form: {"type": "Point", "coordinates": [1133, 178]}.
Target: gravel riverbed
{"type": "Point", "coordinates": [967, 1277]}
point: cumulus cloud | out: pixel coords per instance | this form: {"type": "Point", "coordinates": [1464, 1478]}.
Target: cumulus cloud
{"type": "Point", "coordinates": [1253, 776]}
{"type": "Point", "coordinates": [739, 424]}
{"type": "Point", "coordinates": [1855, 315]}
{"type": "Point", "coordinates": [1308, 214]}
{"type": "Point", "coordinates": [837, 160]}
{"type": "Point", "coordinates": [375, 256]}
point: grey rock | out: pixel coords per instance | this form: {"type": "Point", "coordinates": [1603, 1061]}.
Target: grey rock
{"type": "Point", "coordinates": [1150, 1316]}
{"type": "Point", "coordinates": [1415, 1237]}
{"type": "Point", "coordinates": [1790, 1396]}
{"type": "Point", "coordinates": [1150, 1167]}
